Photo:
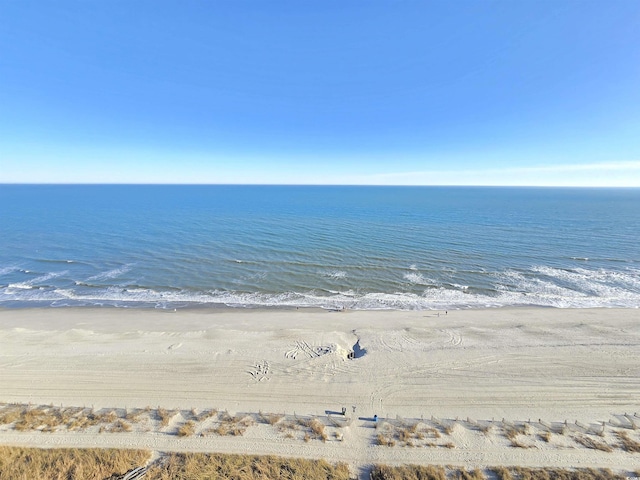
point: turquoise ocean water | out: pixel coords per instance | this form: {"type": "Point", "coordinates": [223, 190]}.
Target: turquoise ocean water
{"type": "Point", "coordinates": [329, 247]}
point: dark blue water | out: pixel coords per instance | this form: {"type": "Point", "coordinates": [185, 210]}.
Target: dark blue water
{"type": "Point", "coordinates": [358, 247]}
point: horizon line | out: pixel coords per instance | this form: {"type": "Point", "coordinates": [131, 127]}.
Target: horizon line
{"type": "Point", "coordinates": [307, 185]}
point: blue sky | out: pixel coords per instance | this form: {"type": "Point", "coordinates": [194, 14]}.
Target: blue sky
{"type": "Point", "coordinates": [398, 92]}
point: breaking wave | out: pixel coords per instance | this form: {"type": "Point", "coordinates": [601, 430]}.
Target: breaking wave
{"type": "Point", "coordinates": [539, 286]}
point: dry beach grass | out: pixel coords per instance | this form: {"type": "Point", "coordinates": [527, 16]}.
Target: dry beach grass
{"type": "Point", "coordinates": [18, 463]}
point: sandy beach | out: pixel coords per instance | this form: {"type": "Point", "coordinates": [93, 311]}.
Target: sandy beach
{"type": "Point", "coordinates": [477, 372]}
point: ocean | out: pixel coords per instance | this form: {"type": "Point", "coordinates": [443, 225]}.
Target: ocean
{"type": "Point", "coordinates": [411, 248]}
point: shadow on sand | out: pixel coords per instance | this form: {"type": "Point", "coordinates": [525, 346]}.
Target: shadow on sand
{"type": "Point", "coordinates": [358, 351]}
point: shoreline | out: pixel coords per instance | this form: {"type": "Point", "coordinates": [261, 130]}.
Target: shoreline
{"type": "Point", "coordinates": [519, 364]}
{"type": "Point", "coordinates": [215, 307]}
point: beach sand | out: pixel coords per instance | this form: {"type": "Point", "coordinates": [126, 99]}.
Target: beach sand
{"type": "Point", "coordinates": [463, 369]}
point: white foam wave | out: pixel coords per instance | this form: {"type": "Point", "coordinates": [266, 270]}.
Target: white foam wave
{"type": "Point", "coordinates": [257, 276]}
{"type": "Point", "coordinates": [432, 298]}
{"type": "Point", "coordinates": [538, 286]}
{"type": "Point", "coordinates": [47, 276]}
{"type": "Point", "coordinates": [335, 274]}
{"type": "Point", "coordinates": [629, 277]}
{"type": "Point", "coordinates": [113, 273]}
{"type": "Point", "coordinates": [8, 270]}
{"type": "Point", "coordinates": [414, 278]}
{"type": "Point", "coordinates": [418, 279]}
{"type": "Point", "coordinates": [600, 282]}
{"type": "Point", "coordinates": [33, 283]}
{"type": "Point", "coordinates": [535, 285]}
{"type": "Point", "coordinates": [578, 288]}
{"type": "Point", "coordinates": [23, 286]}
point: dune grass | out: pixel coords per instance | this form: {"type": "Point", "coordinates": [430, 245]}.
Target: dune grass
{"type": "Point", "coordinates": [545, 436]}
{"type": "Point", "coordinates": [593, 444]}
{"type": "Point", "coordinates": [305, 428]}
{"type": "Point", "coordinates": [165, 416]}
{"type": "Point", "coordinates": [417, 472]}
{"type": "Point", "coordinates": [519, 473]}
{"type": "Point", "coordinates": [200, 466]}
{"type": "Point", "coordinates": [48, 418]}
{"type": "Point", "coordinates": [136, 414]}
{"type": "Point", "coordinates": [230, 425]}
{"type": "Point", "coordinates": [408, 435]}
{"type": "Point", "coordinates": [627, 443]}
{"type": "Point", "coordinates": [17, 463]}
{"type": "Point", "coordinates": [187, 429]}
{"type": "Point", "coordinates": [408, 472]}
{"type": "Point", "coordinates": [204, 415]}
{"type": "Point", "coordinates": [120, 426]}
{"type": "Point", "coordinates": [270, 418]}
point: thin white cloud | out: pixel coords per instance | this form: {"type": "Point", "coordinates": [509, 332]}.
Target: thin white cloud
{"type": "Point", "coordinates": [605, 166]}
{"type": "Point", "coordinates": [610, 166]}
{"type": "Point", "coordinates": [620, 173]}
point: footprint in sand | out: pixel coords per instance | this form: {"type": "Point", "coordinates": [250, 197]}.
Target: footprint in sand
{"type": "Point", "coordinates": [260, 371]}
{"type": "Point", "coordinates": [303, 348]}
{"type": "Point", "coordinates": [454, 337]}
